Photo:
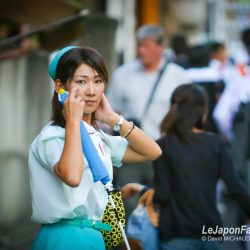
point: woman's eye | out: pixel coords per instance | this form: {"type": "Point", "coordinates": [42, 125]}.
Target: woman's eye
{"type": "Point", "coordinates": [99, 81]}
{"type": "Point", "coordinates": [80, 82]}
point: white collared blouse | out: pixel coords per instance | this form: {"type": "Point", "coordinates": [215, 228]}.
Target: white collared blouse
{"type": "Point", "coordinates": [52, 199]}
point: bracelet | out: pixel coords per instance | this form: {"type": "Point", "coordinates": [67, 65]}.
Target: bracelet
{"type": "Point", "coordinates": [129, 131]}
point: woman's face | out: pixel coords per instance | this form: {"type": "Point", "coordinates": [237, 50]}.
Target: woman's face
{"type": "Point", "coordinates": [90, 87]}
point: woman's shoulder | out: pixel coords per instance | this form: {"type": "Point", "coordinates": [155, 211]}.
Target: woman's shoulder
{"type": "Point", "coordinates": [165, 140]}
{"type": "Point", "coordinates": [213, 137]}
{"type": "Point", "coordinates": [214, 141]}
{"type": "Point", "coordinates": [202, 137]}
{"type": "Point", "coordinates": [50, 136]}
{"type": "Point", "coordinates": [50, 131]}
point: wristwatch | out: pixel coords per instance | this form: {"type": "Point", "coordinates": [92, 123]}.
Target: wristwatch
{"type": "Point", "coordinates": [117, 126]}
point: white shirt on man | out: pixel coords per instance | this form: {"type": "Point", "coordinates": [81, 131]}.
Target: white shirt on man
{"type": "Point", "coordinates": [235, 93]}
{"type": "Point", "coordinates": [130, 89]}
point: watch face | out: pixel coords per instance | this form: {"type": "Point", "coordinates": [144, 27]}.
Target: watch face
{"type": "Point", "coordinates": [117, 127]}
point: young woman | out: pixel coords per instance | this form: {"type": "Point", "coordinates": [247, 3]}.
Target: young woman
{"type": "Point", "coordinates": [65, 199]}
{"type": "Point", "coordinates": [187, 172]}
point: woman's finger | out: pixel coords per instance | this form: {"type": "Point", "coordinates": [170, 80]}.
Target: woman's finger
{"type": "Point", "coordinates": [72, 93]}
{"type": "Point", "coordinates": [78, 99]}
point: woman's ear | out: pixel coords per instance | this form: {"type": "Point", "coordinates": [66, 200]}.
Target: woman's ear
{"type": "Point", "coordinates": [58, 85]}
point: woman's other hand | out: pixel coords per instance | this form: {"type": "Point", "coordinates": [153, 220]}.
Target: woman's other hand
{"type": "Point", "coordinates": [104, 110]}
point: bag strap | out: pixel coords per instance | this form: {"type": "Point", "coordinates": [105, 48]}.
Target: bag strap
{"type": "Point", "coordinates": [150, 99]}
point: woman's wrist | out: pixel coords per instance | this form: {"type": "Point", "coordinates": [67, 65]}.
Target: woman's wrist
{"type": "Point", "coordinates": [128, 132]}
{"type": "Point", "coordinates": [112, 119]}
{"type": "Point", "coordinates": [119, 124]}
{"type": "Point", "coordinates": [72, 124]}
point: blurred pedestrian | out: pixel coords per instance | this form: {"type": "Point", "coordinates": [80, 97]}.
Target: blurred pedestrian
{"type": "Point", "coordinates": [180, 48]}
{"type": "Point", "coordinates": [236, 93]}
{"type": "Point", "coordinates": [220, 61]}
{"type": "Point", "coordinates": [132, 83]}
{"type": "Point", "coordinates": [209, 78]}
{"type": "Point", "coordinates": [245, 38]}
{"type": "Point", "coordinates": [186, 174]}
{"type": "Point", "coordinates": [141, 90]}
{"type": "Point", "coordinates": [65, 198]}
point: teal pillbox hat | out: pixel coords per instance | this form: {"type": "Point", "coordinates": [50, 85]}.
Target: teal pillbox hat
{"type": "Point", "coordinates": [56, 59]}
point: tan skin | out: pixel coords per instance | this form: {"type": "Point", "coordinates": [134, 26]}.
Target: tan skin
{"type": "Point", "coordinates": [220, 55]}
{"type": "Point", "coordinates": [86, 96]}
{"type": "Point", "coordinates": [150, 53]}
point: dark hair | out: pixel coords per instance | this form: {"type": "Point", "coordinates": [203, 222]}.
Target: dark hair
{"type": "Point", "coordinates": [179, 44]}
{"type": "Point", "coordinates": [66, 68]}
{"type": "Point", "coordinates": [215, 46]}
{"type": "Point", "coordinates": [199, 56]}
{"type": "Point", "coordinates": [245, 38]}
{"type": "Point", "coordinates": [189, 104]}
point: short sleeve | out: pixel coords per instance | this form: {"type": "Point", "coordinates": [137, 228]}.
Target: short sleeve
{"type": "Point", "coordinates": [50, 152]}
{"type": "Point", "coordinates": [48, 146]}
{"type": "Point", "coordinates": [117, 146]}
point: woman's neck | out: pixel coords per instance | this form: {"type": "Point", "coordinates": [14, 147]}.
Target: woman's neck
{"type": "Point", "coordinates": [87, 118]}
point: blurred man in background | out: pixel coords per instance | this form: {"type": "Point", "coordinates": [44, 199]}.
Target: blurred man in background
{"type": "Point", "coordinates": [140, 90]}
